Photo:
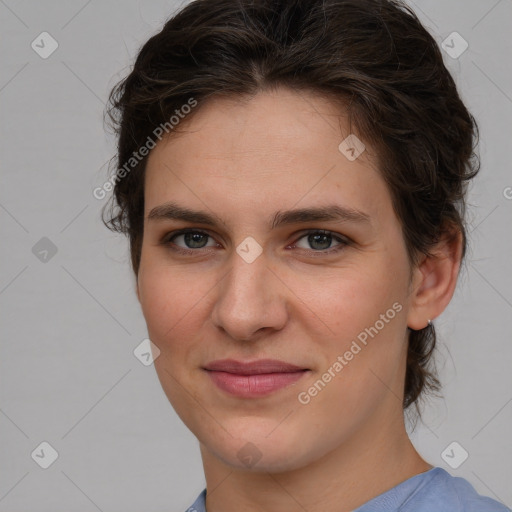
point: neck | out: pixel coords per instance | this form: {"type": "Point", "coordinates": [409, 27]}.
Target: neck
{"type": "Point", "coordinates": [375, 459]}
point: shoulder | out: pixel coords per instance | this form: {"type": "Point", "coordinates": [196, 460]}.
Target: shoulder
{"type": "Point", "coordinates": [437, 490]}
{"type": "Point", "coordinates": [449, 494]}
{"type": "Point", "coordinates": [200, 504]}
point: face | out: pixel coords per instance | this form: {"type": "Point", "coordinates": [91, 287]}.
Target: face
{"type": "Point", "coordinates": [247, 281]}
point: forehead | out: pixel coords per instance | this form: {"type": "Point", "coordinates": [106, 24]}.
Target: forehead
{"type": "Point", "coordinates": [275, 147]}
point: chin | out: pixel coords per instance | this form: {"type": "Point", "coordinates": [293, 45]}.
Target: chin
{"type": "Point", "coordinates": [250, 450]}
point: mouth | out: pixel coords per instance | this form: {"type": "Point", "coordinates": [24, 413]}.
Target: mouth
{"type": "Point", "coordinates": [253, 379]}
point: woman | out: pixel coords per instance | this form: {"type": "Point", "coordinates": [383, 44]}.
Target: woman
{"type": "Point", "coordinates": [291, 176]}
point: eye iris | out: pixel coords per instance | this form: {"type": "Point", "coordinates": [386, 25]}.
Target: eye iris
{"type": "Point", "coordinates": [193, 239]}
{"type": "Point", "coordinates": [316, 237]}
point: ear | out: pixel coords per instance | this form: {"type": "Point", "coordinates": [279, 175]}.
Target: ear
{"type": "Point", "coordinates": [434, 280]}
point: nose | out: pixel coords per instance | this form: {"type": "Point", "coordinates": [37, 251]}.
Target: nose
{"type": "Point", "coordinates": [251, 300]}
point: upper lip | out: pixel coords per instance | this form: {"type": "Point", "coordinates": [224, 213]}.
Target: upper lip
{"type": "Point", "coordinates": [252, 368]}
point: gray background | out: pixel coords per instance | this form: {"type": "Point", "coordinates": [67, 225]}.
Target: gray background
{"type": "Point", "coordinates": [70, 323]}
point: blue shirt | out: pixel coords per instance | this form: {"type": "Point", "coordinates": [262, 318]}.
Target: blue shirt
{"type": "Point", "coordinates": [432, 491]}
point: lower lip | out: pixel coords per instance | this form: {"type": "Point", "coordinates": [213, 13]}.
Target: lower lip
{"type": "Point", "coordinates": [252, 386]}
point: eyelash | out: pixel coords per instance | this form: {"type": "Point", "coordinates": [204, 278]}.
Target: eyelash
{"type": "Point", "coordinates": [167, 241]}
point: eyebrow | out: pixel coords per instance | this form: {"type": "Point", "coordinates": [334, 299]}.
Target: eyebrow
{"type": "Point", "coordinates": [333, 212]}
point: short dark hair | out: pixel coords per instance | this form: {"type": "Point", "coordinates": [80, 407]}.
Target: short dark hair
{"type": "Point", "coordinates": [373, 57]}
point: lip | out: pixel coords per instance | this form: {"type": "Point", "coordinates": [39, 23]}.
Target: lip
{"type": "Point", "coordinates": [253, 367]}
{"type": "Point", "coordinates": [253, 379]}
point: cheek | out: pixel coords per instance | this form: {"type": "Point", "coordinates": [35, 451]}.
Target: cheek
{"type": "Point", "coordinates": [363, 317]}
{"type": "Point", "coordinates": [347, 301]}
{"type": "Point", "coordinates": [170, 300]}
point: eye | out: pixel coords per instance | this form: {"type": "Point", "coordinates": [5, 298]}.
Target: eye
{"type": "Point", "coordinates": [193, 239]}
{"type": "Point", "coordinates": [320, 240]}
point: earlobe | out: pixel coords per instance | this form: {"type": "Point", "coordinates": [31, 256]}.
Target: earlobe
{"type": "Point", "coordinates": [434, 281]}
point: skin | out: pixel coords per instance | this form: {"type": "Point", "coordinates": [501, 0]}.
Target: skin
{"type": "Point", "coordinates": [243, 160]}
